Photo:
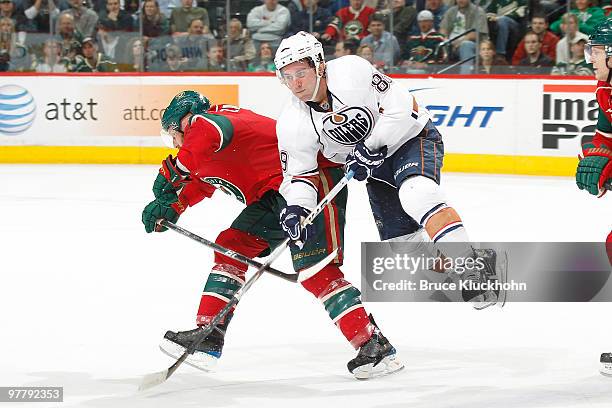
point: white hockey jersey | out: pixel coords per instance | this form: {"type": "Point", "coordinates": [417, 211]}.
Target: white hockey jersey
{"type": "Point", "coordinates": [365, 105]}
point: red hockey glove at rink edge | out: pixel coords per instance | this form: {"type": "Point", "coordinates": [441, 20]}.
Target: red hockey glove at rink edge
{"type": "Point", "coordinates": [595, 166]}
{"type": "Point", "coordinates": [170, 178]}
{"type": "Point", "coordinates": [168, 206]}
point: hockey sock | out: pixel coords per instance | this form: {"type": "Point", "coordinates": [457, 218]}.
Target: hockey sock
{"type": "Point", "coordinates": [343, 304]}
{"type": "Point", "coordinates": [227, 276]}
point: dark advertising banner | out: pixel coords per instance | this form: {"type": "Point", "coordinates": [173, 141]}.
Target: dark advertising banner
{"type": "Point", "coordinates": [514, 271]}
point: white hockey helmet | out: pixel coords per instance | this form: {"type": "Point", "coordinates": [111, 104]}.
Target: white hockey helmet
{"type": "Point", "coordinates": [298, 46]}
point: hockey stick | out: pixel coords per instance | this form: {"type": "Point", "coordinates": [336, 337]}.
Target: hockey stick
{"type": "Point", "coordinates": [291, 277]}
{"type": "Point", "coordinates": [151, 380]}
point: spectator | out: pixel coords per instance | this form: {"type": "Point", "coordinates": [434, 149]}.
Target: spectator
{"type": "Point", "coordinates": [535, 61]}
{"type": "Point", "coordinates": [85, 19]}
{"type": "Point", "coordinates": [181, 17]}
{"type": "Point", "coordinates": [241, 48]}
{"type": "Point", "coordinates": [464, 16]}
{"type": "Point", "coordinates": [577, 64]}
{"type": "Point", "coordinates": [268, 22]}
{"type": "Point", "coordinates": [13, 56]}
{"type": "Point", "coordinates": [166, 6]}
{"type": "Point", "coordinates": [116, 19]}
{"type": "Point", "coordinates": [39, 14]}
{"type": "Point", "coordinates": [366, 52]}
{"type": "Point", "coordinates": [109, 40]}
{"type": "Point", "coordinates": [548, 39]}
{"type": "Point", "coordinates": [265, 60]}
{"type": "Point", "coordinates": [588, 17]}
{"type": "Point", "coordinates": [216, 58]}
{"type": "Point", "coordinates": [14, 11]}
{"type": "Point", "coordinates": [346, 47]}
{"type": "Point", "coordinates": [136, 60]}
{"type": "Point", "coordinates": [51, 60]}
{"type": "Point", "coordinates": [91, 60]}
{"type": "Point", "coordinates": [489, 62]}
{"type": "Point", "coordinates": [421, 50]}
{"type": "Point", "coordinates": [438, 9]}
{"type": "Point", "coordinates": [300, 17]}
{"type": "Point", "coordinates": [154, 23]}
{"type": "Point", "coordinates": [385, 45]}
{"type": "Point", "coordinates": [68, 34]}
{"type": "Point", "coordinates": [173, 61]}
{"type": "Point", "coordinates": [349, 22]}
{"type": "Point", "coordinates": [504, 18]}
{"type": "Point", "coordinates": [195, 46]}
{"type": "Point", "coordinates": [569, 26]}
{"type": "Point", "coordinates": [404, 18]}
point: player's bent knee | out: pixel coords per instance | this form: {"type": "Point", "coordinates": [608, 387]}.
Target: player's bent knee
{"type": "Point", "coordinates": [319, 282]}
{"type": "Point", "coordinates": [421, 197]}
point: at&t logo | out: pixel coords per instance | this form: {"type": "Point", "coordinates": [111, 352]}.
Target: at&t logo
{"type": "Point", "coordinates": [17, 110]}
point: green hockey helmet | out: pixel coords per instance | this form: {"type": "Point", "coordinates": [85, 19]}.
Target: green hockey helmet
{"type": "Point", "coordinates": [602, 35]}
{"type": "Point", "coordinates": [183, 103]}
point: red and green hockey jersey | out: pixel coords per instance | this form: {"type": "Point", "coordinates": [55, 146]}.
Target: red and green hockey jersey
{"type": "Point", "coordinates": [233, 150]}
{"type": "Point", "coordinates": [349, 23]}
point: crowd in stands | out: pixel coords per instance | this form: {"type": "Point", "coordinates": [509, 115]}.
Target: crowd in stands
{"type": "Point", "coordinates": [396, 36]}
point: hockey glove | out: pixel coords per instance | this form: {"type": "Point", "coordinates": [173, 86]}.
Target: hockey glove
{"type": "Point", "coordinates": [170, 177]}
{"type": "Point", "coordinates": [362, 160]}
{"type": "Point", "coordinates": [167, 206]}
{"type": "Point", "coordinates": [290, 220]}
{"type": "Point", "coordinates": [594, 168]}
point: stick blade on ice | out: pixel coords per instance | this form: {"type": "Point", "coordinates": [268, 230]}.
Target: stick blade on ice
{"type": "Point", "coordinates": [152, 380]}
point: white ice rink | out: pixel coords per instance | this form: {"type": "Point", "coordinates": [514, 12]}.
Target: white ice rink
{"type": "Point", "coordinates": [86, 295]}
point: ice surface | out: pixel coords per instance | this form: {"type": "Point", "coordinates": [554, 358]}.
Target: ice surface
{"type": "Point", "coordinates": [86, 296]}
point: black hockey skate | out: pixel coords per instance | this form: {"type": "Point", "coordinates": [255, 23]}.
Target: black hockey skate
{"type": "Point", "coordinates": [495, 270]}
{"type": "Point", "coordinates": [605, 367]}
{"type": "Point", "coordinates": [206, 354]}
{"type": "Point", "coordinates": [375, 358]}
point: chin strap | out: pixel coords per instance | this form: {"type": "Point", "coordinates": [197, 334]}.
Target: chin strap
{"type": "Point", "coordinates": [319, 76]}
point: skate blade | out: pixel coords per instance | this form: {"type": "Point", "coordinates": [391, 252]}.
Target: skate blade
{"type": "Point", "coordinates": [503, 270]}
{"type": "Point", "coordinates": [201, 361]}
{"type": "Point", "coordinates": [389, 365]}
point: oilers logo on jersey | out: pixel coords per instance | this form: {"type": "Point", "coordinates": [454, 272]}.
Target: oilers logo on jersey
{"type": "Point", "coordinates": [349, 125]}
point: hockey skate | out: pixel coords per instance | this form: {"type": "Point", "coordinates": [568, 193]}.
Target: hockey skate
{"type": "Point", "coordinates": [495, 270]}
{"type": "Point", "coordinates": [605, 367]}
{"type": "Point", "coordinates": [206, 354]}
{"type": "Point", "coordinates": [376, 357]}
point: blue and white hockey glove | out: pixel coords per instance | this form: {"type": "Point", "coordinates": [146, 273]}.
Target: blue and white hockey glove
{"type": "Point", "coordinates": [290, 219]}
{"type": "Point", "coordinates": [363, 160]}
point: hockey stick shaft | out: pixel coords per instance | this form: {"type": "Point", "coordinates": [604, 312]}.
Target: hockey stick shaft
{"type": "Point", "coordinates": [159, 378]}
{"type": "Point", "coordinates": [275, 254]}
{"type": "Point", "coordinates": [291, 277]}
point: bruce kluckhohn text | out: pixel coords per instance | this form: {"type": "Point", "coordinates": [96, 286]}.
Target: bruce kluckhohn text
{"type": "Point", "coordinates": [425, 285]}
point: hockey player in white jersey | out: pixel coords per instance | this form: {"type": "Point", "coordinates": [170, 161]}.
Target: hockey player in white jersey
{"type": "Point", "coordinates": [351, 113]}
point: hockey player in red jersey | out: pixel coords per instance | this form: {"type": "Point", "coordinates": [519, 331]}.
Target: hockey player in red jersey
{"type": "Point", "coordinates": [235, 150]}
{"type": "Point", "coordinates": [594, 172]}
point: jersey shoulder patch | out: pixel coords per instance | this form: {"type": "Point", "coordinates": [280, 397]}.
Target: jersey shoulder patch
{"type": "Point", "coordinates": [222, 126]}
